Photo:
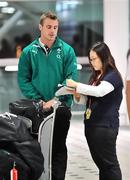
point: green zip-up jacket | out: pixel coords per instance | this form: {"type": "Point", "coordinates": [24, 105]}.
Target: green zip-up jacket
{"type": "Point", "coordinates": [39, 74]}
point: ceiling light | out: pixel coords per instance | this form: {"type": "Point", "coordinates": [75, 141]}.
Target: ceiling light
{"type": "Point", "coordinates": [3, 4]}
{"type": "Point", "coordinates": [8, 10]}
{"type": "Point", "coordinates": [79, 66]}
{"type": "Point", "coordinates": [72, 2]}
{"type": "Point", "coordinates": [11, 68]}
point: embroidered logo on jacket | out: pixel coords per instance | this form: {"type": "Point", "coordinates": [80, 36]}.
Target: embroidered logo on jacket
{"type": "Point", "coordinates": [58, 53]}
{"type": "Point", "coordinates": [35, 49]}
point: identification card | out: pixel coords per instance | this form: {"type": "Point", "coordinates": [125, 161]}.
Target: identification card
{"type": "Point", "coordinates": [88, 113]}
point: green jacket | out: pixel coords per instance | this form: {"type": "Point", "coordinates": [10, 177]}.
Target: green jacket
{"type": "Point", "coordinates": [39, 74]}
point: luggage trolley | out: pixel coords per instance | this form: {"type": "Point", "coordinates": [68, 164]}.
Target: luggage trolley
{"type": "Point", "coordinates": [44, 130]}
{"type": "Point", "coordinates": [45, 138]}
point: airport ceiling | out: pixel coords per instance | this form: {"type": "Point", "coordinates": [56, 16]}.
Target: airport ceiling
{"type": "Point", "coordinates": [34, 8]}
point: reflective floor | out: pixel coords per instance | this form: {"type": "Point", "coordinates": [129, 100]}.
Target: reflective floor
{"type": "Point", "coordinates": [80, 164]}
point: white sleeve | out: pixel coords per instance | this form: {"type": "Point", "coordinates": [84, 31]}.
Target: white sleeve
{"type": "Point", "coordinates": [99, 91]}
{"type": "Point", "coordinates": [82, 100]}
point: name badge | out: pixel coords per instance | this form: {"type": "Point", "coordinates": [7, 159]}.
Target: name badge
{"type": "Point", "coordinates": [88, 113]}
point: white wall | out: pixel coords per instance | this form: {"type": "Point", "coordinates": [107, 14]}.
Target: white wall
{"type": "Point", "coordinates": [116, 35]}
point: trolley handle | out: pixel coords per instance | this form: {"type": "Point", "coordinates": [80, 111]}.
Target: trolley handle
{"type": "Point", "coordinates": [56, 104]}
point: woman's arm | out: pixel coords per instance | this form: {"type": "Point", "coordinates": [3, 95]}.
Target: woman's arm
{"type": "Point", "coordinates": [99, 91]}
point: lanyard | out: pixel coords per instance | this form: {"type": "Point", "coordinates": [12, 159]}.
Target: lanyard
{"type": "Point", "coordinates": [88, 110]}
{"type": "Point", "coordinates": [90, 99]}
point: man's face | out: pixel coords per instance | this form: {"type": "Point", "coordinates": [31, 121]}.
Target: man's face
{"type": "Point", "coordinates": [49, 29]}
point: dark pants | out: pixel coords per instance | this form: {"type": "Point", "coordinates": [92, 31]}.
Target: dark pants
{"type": "Point", "coordinates": [102, 145]}
{"type": "Point", "coordinates": [59, 150]}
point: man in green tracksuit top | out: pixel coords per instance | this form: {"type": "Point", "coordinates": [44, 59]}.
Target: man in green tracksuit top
{"type": "Point", "coordinates": [45, 63]}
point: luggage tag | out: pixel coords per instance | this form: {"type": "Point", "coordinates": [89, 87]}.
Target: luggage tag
{"type": "Point", "coordinates": [14, 173]}
{"type": "Point", "coordinates": [88, 113]}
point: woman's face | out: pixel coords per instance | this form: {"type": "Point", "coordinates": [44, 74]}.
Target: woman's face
{"type": "Point", "coordinates": [95, 61]}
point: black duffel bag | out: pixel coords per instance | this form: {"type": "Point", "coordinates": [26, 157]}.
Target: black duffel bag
{"type": "Point", "coordinates": [7, 160]}
{"type": "Point", "coordinates": [31, 109]}
{"type": "Point", "coordinates": [17, 145]}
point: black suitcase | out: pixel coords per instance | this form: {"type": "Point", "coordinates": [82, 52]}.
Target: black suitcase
{"type": "Point", "coordinates": [31, 109]}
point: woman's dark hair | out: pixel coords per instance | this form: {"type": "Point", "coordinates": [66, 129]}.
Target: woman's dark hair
{"type": "Point", "coordinates": [103, 52]}
{"type": "Point", "coordinates": [128, 53]}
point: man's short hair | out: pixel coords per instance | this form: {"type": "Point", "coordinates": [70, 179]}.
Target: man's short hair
{"type": "Point", "coordinates": [49, 15]}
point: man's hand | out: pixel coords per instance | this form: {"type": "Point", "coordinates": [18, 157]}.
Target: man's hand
{"type": "Point", "coordinates": [47, 105]}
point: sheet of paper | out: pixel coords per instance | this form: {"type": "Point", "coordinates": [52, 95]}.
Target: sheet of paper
{"type": "Point", "coordinates": [64, 90]}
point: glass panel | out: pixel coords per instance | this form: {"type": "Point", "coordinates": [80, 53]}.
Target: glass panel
{"type": "Point", "coordinates": [9, 90]}
{"type": "Point", "coordinates": [81, 23]}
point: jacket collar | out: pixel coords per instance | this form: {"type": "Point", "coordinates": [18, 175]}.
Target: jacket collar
{"type": "Point", "coordinates": [56, 44]}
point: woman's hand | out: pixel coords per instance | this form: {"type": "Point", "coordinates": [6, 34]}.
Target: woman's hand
{"type": "Point", "coordinates": [76, 96]}
{"type": "Point", "coordinates": [71, 83]}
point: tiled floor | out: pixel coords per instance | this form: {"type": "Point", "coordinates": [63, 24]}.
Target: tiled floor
{"type": "Point", "coordinates": [80, 164]}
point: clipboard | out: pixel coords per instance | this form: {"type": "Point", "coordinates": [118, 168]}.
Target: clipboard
{"type": "Point", "coordinates": [63, 90]}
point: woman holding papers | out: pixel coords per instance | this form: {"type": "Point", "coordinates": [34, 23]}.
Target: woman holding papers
{"type": "Point", "coordinates": [102, 97]}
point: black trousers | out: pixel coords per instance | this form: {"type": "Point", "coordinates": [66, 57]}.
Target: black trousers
{"type": "Point", "coordinates": [102, 145]}
{"type": "Point", "coordinates": [59, 149]}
